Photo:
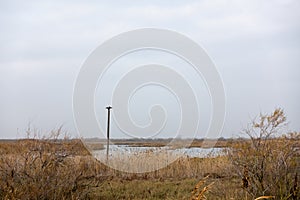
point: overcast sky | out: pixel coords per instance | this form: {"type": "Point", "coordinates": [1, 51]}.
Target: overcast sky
{"type": "Point", "coordinates": [254, 44]}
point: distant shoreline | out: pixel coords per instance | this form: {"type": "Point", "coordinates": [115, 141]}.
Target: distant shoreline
{"type": "Point", "coordinates": [159, 142]}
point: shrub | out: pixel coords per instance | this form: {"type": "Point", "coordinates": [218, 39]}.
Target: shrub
{"type": "Point", "coordinates": [268, 162]}
{"type": "Point", "coordinates": [46, 169]}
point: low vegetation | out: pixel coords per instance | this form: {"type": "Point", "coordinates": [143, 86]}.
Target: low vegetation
{"type": "Point", "coordinates": [269, 162]}
{"type": "Point", "coordinates": [265, 166]}
{"type": "Point", "coordinates": [45, 169]}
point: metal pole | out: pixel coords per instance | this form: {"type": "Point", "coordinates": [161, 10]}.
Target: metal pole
{"type": "Point", "coordinates": [108, 124]}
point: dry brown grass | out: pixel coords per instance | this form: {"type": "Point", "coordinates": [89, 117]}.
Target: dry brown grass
{"type": "Point", "coordinates": [52, 168]}
{"type": "Point", "coordinates": [64, 169]}
{"type": "Point", "coordinates": [265, 197]}
{"type": "Point", "coordinates": [201, 189]}
{"type": "Point", "coordinates": [46, 169]}
{"type": "Point", "coordinates": [49, 169]}
{"type": "Point", "coordinates": [268, 165]}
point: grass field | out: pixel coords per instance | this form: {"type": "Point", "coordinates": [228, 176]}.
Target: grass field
{"type": "Point", "coordinates": [64, 169]}
{"type": "Point", "coordinates": [265, 166]}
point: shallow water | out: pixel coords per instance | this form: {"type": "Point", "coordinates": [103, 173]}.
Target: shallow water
{"type": "Point", "coordinates": [190, 152]}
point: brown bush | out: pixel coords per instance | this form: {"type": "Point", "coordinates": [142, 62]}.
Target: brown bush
{"type": "Point", "coordinates": [268, 162]}
{"type": "Point", "coordinates": [46, 169]}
